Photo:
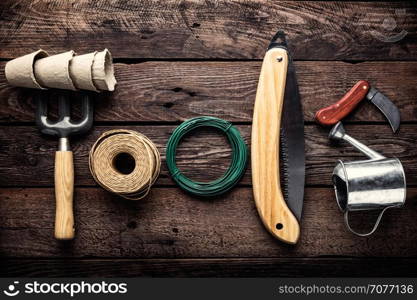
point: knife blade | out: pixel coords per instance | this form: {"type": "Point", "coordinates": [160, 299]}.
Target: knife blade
{"type": "Point", "coordinates": [336, 112]}
{"type": "Point", "coordinates": [385, 105]}
{"type": "Point", "coordinates": [278, 128]}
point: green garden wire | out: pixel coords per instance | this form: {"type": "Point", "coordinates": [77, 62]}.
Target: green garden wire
{"type": "Point", "coordinates": [233, 174]}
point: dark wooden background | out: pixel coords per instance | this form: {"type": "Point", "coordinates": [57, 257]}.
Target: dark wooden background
{"type": "Point", "coordinates": [181, 59]}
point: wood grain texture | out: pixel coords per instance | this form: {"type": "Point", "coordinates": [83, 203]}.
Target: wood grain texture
{"type": "Point", "coordinates": [171, 233]}
{"type": "Point", "coordinates": [175, 91]}
{"type": "Point", "coordinates": [210, 29]}
{"type": "Point", "coordinates": [210, 267]}
{"type": "Point", "coordinates": [265, 148]}
{"type": "Point", "coordinates": [26, 156]}
{"type": "Point", "coordinates": [172, 224]}
{"type": "Point", "coordinates": [64, 192]}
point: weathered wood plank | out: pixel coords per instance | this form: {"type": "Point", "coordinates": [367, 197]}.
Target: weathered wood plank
{"type": "Point", "coordinates": [172, 224]}
{"type": "Point", "coordinates": [27, 157]}
{"type": "Point", "coordinates": [210, 29]}
{"type": "Point", "coordinates": [230, 267]}
{"type": "Point", "coordinates": [174, 91]}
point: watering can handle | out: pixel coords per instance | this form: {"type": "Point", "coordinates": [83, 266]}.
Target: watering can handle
{"type": "Point", "coordinates": [373, 229]}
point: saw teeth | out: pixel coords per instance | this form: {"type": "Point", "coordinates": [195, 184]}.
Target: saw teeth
{"type": "Point", "coordinates": [284, 164]}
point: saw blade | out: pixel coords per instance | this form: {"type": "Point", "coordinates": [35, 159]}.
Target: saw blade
{"type": "Point", "coordinates": [292, 137]}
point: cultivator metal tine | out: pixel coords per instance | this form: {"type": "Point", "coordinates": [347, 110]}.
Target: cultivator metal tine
{"type": "Point", "coordinates": [86, 121]}
{"type": "Point", "coordinates": [64, 127]}
{"type": "Point", "coordinates": [64, 108]}
{"type": "Point", "coordinates": [87, 109]}
{"type": "Point", "coordinates": [41, 106]}
{"type": "Point", "coordinates": [42, 113]}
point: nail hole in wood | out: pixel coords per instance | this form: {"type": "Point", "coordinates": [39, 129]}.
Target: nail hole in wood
{"type": "Point", "coordinates": [132, 225]}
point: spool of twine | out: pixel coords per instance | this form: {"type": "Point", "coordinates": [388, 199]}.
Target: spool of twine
{"type": "Point", "coordinates": [112, 143]}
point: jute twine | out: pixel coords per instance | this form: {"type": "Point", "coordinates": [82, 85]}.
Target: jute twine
{"type": "Point", "coordinates": [137, 184]}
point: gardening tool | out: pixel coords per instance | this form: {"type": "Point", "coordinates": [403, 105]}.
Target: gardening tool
{"type": "Point", "coordinates": [336, 112]}
{"type": "Point", "coordinates": [63, 128]}
{"type": "Point", "coordinates": [376, 183]}
{"type": "Point", "coordinates": [278, 130]}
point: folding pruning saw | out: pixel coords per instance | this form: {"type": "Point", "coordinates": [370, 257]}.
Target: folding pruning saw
{"type": "Point", "coordinates": [278, 134]}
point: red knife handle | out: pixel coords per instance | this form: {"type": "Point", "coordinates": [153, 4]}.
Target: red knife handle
{"type": "Point", "coordinates": [334, 113]}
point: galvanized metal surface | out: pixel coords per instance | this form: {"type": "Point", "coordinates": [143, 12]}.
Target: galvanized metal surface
{"type": "Point", "coordinates": [376, 183]}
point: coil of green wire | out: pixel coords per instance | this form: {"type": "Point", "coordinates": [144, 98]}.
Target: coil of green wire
{"type": "Point", "coordinates": [233, 174]}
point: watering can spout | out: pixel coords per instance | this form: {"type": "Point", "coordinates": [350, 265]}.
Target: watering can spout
{"type": "Point", "coordinates": [338, 133]}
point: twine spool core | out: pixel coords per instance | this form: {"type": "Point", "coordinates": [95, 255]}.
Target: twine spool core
{"type": "Point", "coordinates": [124, 163]}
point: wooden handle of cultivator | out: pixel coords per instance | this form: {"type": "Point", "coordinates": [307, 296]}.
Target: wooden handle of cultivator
{"type": "Point", "coordinates": [272, 208]}
{"type": "Point", "coordinates": [64, 190]}
{"type": "Point", "coordinates": [336, 112]}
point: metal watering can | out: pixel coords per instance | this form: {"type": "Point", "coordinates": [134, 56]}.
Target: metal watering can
{"type": "Point", "coordinates": [376, 183]}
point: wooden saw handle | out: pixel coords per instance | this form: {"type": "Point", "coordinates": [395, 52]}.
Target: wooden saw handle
{"type": "Point", "coordinates": [64, 190]}
{"type": "Point", "coordinates": [336, 112]}
{"type": "Point", "coordinates": [272, 208]}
